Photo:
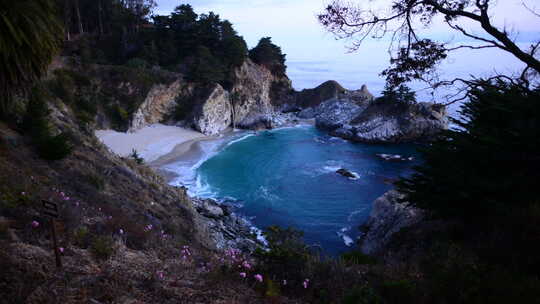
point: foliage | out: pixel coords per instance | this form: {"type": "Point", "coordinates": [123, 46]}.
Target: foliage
{"type": "Point", "coordinates": [362, 295]}
{"type": "Point", "coordinates": [183, 108]}
{"type": "Point", "coordinates": [287, 255]}
{"type": "Point", "coordinates": [55, 147]}
{"type": "Point", "coordinates": [135, 156]}
{"type": "Point", "coordinates": [270, 55]}
{"type": "Point", "coordinates": [204, 47]}
{"type": "Point", "coordinates": [402, 94]}
{"type": "Point", "coordinates": [81, 237]}
{"type": "Point", "coordinates": [102, 247]}
{"type": "Point", "coordinates": [27, 44]}
{"type": "Point", "coordinates": [414, 57]}
{"type": "Point", "coordinates": [50, 147]}
{"type": "Point", "coordinates": [358, 258]}
{"type": "Point", "coordinates": [396, 292]}
{"type": "Point", "coordinates": [206, 68]}
{"type": "Point", "coordinates": [493, 155]}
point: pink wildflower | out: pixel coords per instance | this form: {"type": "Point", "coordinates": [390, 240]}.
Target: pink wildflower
{"type": "Point", "coordinates": [61, 249]}
{"type": "Point", "coordinates": [161, 275]}
{"type": "Point", "coordinates": [258, 277]}
{"type": "Point", "coordinates": [35, 224]}
{"type": "Point", "coordinates": [23, 193]}
{"type": "Point", "coordinates": [246, 265]}
{"type": "Point", "coordinates": [284, 282]}
{"type": "Point", "coordinates": [243, 274]}
{"type": "Point", "coordinates": [121, 231]}
{"type": "Point", "coordinates": [305, 283]}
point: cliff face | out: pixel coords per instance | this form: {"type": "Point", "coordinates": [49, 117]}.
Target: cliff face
{"type": "Point", "coordinates": [357, 116]}
{"type": "Point", "coordinates": [252, 102]}
{"type": "Point", "coordinates": [159, 102]}
{"type": "Point", "coordinates": [387, 217]}
{"type": "Point", "coordinates": [252, 96]}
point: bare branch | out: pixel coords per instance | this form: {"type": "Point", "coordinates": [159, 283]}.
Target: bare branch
{"type": "Point", "coordinates": [532, 11]}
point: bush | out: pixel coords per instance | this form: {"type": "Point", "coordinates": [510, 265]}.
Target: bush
{"type": "Point", "coordinates": [55, 147]}
{"type": "Point", "coordinates": [358, 258]}
{"type": "Point", "coordinates": [36, 125]}
{"type": "Point", "coordinates": [137, 63]}
{"type": "Point", "coordinates": [183, 108]}
{"type": "Point", "coordinates": [398, 292]}
{"type": "Point", "coordinates": [102, 247]}
{"type": "Point", "coordinates": [286, 258]}
{"type": "Point", "coordinates": [268, 54]}
{"type": "Point", "coordinates": [401, 94]}
{"type": "Point", "coordinates": [488, 164]}
{"type": "Point", "coordinates": [81, 237]}
{"type": "Point", "coordinates": [4, 229]}
{"type": "Point", "coordinates": [135, 156]}
{"type": "Point", "coordinates": [362, 295]}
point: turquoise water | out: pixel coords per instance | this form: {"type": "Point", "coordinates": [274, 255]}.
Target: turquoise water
{"type": "Point", "coordinates": [287, 177]}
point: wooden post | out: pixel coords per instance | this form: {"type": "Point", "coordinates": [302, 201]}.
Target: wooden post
{"type": "Point", "coordinates": [55, 244]}
{"type": "Point", "coordinates": [50, 210]}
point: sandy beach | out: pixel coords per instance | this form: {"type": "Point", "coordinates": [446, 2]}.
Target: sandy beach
{"type": "Point", "coordinates": [151, 142]}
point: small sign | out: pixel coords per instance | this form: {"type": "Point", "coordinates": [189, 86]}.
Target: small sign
{"type": "Point", "coordinates": [50, 209]}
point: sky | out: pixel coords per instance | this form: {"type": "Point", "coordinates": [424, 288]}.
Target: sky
{"type": "Point", "coordinates": [314, 55]}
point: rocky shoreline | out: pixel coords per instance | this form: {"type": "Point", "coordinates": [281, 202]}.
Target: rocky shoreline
{"type": "Point", "coordinates": [259, 99]}
{"type": "Point", "coordinates": [227, 229]}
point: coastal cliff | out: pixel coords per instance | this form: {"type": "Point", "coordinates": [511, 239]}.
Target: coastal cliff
{"type": "Point", "coordinates": [388, 216]}
{"type": "Point", "coordinates": [358, 116]}
{"type": "Point", "coordinates": [252, 102]}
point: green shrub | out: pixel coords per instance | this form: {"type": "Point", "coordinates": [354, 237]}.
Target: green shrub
{"type": "Point", "coordinates": [287, 255]}
{"type": "Point", "coordinates": [35, 123]}
{"type": "Point", "coordinates": [4, 229]}
{"type": "Point", "coordinates": [362, 295]}
{"type": "Point", "coordinates": [96, 181]}
{"type": "Point", "coordinates": [102, 247]}
{"type": "Point", "coordinates": [358, 258]}
{"type": "Point", "coordinates": [137, 63]}
{"type": "Point", "coordinates": [81, 237]}
{"type": "Point", "coordinates": [183, 108]}
{"type": "Point", "coordinates": [135, 156]}
{"type": "Point", "coordinates": [55, 147]}
{"type": "Point", "coordinates": [396, 292]}
{"type": "Point", "coordinates": [489, 164]}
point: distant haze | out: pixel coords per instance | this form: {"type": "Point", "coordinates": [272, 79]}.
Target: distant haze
{"type": "Point", "coordinates": [314, 56]}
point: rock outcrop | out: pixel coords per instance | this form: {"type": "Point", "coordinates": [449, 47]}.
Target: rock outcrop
{"type": "Point", "coordinates": [387, 217]}
{"type": "Point", "coordinates": [226, 229]}
{"type": "Point", "coordinates": [379, 121]}
{"type": "Point", "coordinates": [256, 94]}
{"type": "Point", "coordinates": [159, 102]}
{"type": "Point", "coordinates": [254, 101]}
{"type": "Point", "coordinates": [213, 114]}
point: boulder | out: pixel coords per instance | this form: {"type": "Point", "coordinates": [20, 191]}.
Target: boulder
{"type": "Point", "coordinates": [347, 173]}
{"type": "Point", "coordinates": [387, 217]}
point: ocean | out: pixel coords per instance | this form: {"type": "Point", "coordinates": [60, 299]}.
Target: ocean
{"type": "Point", "coordinates": [287, 177]}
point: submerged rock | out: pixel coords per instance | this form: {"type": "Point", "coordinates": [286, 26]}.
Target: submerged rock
{"type": "Point", "coordinates": [387, 217]}
{"type": "Point", "coordinates": [347, 173]}
{"type": "Point", "coordinates": [394, 157]}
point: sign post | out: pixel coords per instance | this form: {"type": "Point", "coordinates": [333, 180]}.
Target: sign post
{"type": "Point", "coordinates": [51, 210]}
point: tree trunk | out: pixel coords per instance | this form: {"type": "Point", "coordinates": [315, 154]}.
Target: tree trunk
{"type": "Point", "coordinates": [79, 21]}
{"type": "Point", "coordinates": [67, 19]}
{"type": "Point", "coordinates": [100, 17]}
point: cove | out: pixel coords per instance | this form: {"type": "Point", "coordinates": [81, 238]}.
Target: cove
{"type": "Point", "coordinates": [287, 177]}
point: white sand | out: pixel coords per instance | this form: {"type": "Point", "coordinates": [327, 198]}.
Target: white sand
{"type": "Point", "coordinates": [150, 142]}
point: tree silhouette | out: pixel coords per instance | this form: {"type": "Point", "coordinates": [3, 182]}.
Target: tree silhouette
{"type": "Point", "coordinates": [415, 57]}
